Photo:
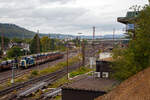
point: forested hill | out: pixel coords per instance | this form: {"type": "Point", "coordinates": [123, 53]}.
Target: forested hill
{"type": "Point", "coordinates": [12, 30]}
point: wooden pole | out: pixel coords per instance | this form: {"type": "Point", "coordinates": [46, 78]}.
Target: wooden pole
{"type": "Point", "coordinates": [83, 54]}
{"type": "Point", "coordinates": [67, 60]}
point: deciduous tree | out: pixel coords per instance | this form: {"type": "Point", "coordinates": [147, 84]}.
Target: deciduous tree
{"type": "Point", "coordinates": [136, 57]}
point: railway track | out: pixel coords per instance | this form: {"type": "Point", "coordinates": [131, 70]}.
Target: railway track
{"type": "Point", "coordinates": [49, 78]}
{"type": "Point", "coordinates": [5, 76]}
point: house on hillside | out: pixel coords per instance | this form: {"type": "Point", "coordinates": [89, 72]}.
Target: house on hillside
{"type": "Point", "coordinates": [24, 46]}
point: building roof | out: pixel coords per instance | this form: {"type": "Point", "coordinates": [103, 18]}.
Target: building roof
{"type": "Point", "coordinates": [91, 84]}
{"type": "Point", "coordinates": [131, 15]}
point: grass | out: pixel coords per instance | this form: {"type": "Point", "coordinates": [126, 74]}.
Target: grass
{"type": "Point", "coordinates": [60, 82]}
{"type": "Point", "coordinates": [59, 66]}
{"type": "Point", "coordinates": [36, 73]}
{"type": "Point", "coordinates": [80, 71]}
{"type": "Point", "coordinates": [57, 97]}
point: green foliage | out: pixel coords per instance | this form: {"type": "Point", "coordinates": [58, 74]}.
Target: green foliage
{"type": "Point", "coordinates": [80, 71]}
{"type": "Point", "coordinates": [77, 42]}
{"type": "Point", "coordinates": [35, 45]}
{"type": "Point", "coordinates": [45, 42]}
{"type": "Point", "coordinates": [14, 51]}
{"type": "Point", "coordinates": [60, 82]}
{"type": "Point", "coordinates": [52, 44]}
{"type": "Point", "coordinates": [136, 57]}
{"type": "Point", "coordinates": [6, 41]}
{"type": "Point", "coordinates": [59, 65]}
{"type": "Point", "coordinates": [12, 31]}
{"type": "Point", "coordinates": [1, 53]}
{"type": "Point", "coordinates": [34, 73]}
{"type": "Point", "coordinates": [17, 40]}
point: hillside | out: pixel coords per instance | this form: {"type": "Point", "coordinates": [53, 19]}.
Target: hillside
{"type": "Point", "coordinates": [135, 88]}
{"type": "Point", "coordinates": [12, 30]}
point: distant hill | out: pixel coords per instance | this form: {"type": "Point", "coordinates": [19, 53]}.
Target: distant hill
{"type": "Point", "coordinates": [12, 30]}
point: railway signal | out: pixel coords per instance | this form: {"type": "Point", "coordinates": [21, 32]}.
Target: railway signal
{"type": "Point", "coordinates": [14, 67]}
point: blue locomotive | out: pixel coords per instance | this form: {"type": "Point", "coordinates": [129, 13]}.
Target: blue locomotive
{"type": "Point", "coordinates": [26, 62]}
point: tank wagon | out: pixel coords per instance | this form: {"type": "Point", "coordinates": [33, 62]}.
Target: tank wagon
{"type": "Point", "coordinates": [31, 60]}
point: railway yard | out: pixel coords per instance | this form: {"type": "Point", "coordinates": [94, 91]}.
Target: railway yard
{"type": "Point", "coordinates": [7, 74]}
{"type": "Point", "coordinates": [23, 90]}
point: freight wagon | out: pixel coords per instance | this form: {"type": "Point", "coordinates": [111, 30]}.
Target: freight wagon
{"type": "Point", "coordinates": [31, 60]}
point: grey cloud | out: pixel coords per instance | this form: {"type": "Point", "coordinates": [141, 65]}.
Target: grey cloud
{"type": "Point", "coordinates": [60, 1]}
{"type": "Point", "coordinates": [28, 13]}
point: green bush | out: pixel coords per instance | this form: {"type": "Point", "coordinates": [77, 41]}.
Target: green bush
{"type": "Point", "coordinates": [80, 71]}
{"type": "Point", "coordinates": [14, 51]}
{"type": "Point", "coordinates": [34, 73]}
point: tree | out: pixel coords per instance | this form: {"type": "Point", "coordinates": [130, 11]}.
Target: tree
{"type": "Point", "coordinates": [136, 57]}
{"type": "Point", "coordinates": [45, 42]}
{"type": "Point", "coordinates": [6, 41]}
{"type": "Point", "coordinates": [14, 51]}
{"type": "Point", "coordinates": [35, 45]}
{"type": "Point", "coordinates": [17, 40]}
{"type": "Point", "coordinates": [52, 44]}
{"type": "Point", "coordinates": [77, 41]}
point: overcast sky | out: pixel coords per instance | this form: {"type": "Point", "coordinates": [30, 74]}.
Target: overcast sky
{"type": "Point", "coordinates": [66, 16]}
